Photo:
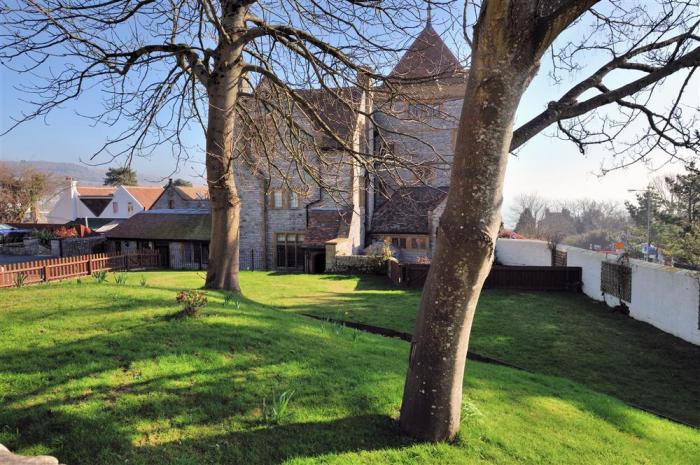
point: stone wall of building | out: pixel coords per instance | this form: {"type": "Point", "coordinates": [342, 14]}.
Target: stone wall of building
{"type": "Point", "coordinates": [429, 140]}
{"type": "Point", "coordinates": [251, 191]}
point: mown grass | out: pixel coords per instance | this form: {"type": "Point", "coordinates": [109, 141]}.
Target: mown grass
{"type": "Point", "coordinates": [560, 334]}
{"type": "Point", "coordinates": [97, 374]}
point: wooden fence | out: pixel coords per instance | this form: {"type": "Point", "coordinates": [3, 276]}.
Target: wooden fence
{"type": "Point", "coordinates": [536, 278]}
{"type": "Point", "coordinates": [69, 267]}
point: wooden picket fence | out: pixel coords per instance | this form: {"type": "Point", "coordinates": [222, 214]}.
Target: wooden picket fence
{"type": "Point", "coordinates": [54, 269]}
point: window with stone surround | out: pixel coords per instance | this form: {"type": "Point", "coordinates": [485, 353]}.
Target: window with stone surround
{"type": "Point", "coordinates": [408, 242]}
{"type": "Point", "coordinates": [277, 199]}
{"type": "Point", "coordinates": [288, 251]}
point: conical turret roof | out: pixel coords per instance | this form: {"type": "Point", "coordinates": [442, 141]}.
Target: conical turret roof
{"type": "Point", "coordinates": [427, 57]}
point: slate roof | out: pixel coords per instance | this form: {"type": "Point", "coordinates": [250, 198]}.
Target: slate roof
{"type": "Point", "coordinates": [326, 225]}
{"type": "Point", "coordinates": [407, 210]}
{"type": "Point", "coordinates": [145, 195]}
{"type": "Point", "coordinates": [337, 107]}
{"type": "Point", "coordinates": [427, 56]}
{"type": "Point", "coordinates": [165, 225]}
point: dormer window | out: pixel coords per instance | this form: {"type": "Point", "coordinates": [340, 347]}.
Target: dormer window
{"type": "Point", "coordinates": [115, 207]}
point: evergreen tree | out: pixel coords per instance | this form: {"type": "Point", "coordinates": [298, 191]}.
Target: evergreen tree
{"type": "Point", "coordinates": [182, 183]}
{"type": "Point", "coordinates": [121, 175]}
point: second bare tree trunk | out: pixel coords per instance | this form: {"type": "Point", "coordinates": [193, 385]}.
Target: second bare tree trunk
{"type": "Point", "coordinates": [509, 40]}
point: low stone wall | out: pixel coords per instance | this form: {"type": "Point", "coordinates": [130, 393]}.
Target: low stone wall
{"type": "Point", "coordinates": [26, 247]}
{"type": "Point", "coordinates": [357, 264]}
{"type": "Point", "coordinates": [74, 246]}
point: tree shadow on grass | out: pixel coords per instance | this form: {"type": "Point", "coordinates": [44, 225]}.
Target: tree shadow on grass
{"type": "Point", "coordinates": [189, 392]}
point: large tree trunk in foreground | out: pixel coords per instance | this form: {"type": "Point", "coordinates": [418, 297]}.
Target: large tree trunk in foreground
{"type": "Point", "coordinates": [508, 42]}
{"type": "Point", "coordinates": [223, 88]}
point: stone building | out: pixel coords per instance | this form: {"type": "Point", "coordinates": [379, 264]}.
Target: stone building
{"type": "Point", "coordinates": [303, 229]}
{"type": "Point", "coordinates": [179, 197]}
{"type": "Point", "coordinates": [289, 223]}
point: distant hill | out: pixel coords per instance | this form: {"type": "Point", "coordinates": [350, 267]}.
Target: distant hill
{"type": "Point", "coordinates": [85, 175]}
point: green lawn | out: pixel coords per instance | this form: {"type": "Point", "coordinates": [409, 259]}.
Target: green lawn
{"type": "Point", "coordinates": [97, 374]}
{"type": "Point", "coordinates": [560, 334]}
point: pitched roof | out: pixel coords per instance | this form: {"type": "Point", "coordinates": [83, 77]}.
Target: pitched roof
{"type": "Point", "coordinates": [89, 191]}
{"type": "Point", "coordinates": [337, 107]}
{"type": "Point", "coordinates": [193, 192]}
{"type": "Point", "coordinates": [146, 196]}
{"type": "Point", "coordinates": [325, 225]}
{"type": "Point", "coordinates": [167, 225]}
{"type": "Point", "coordinates": [428, 56]}
{"type": "Point", "coordinates": [407, 210]}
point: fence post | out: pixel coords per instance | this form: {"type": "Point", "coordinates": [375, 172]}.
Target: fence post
{"type": "Point", "coordinates": [46, 273]}
{"type": "Point", "coordinates": [252, 259]}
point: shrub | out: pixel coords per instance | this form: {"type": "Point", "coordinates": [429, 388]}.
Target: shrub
{"type": "Point", "coordinates": [44, 236]}
{"type": "Point", "coordinates": [120, 278]}
{"type": "Point", "coordinates": [64, 232]}
{"type": "Point", "coordinates": [20, 278]}
{"type": "Point", "coordinates": [379, 249]}
{"type": "Point", "coordinates": [277, 410]}
{"type": "Point", "coordinates": [99, 276]}
{"type": "Point", "coordinates": [191, 302]}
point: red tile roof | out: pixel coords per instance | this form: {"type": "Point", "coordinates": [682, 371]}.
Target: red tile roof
{"type": "Point", "coordinates": [193, 193]}
{"type": "Point", "coordinates": [146, 196]}
{"type": "Point", "coordinates": [96, 191]}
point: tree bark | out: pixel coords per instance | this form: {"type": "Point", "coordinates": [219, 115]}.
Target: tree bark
{"type": "Point", "coordinates": [222, 88]}
{"type": "Point", "coordinates": [509, 40]}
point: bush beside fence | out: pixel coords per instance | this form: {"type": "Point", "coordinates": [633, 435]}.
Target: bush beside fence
{"type": "Point", "coordinates": [69, 267]}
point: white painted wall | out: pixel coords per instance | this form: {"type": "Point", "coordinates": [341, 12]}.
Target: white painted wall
{"type": "Point", "coordinates": [63, 210]}
{"type": "Point", "coordinates": [122, 198]}
{"type": "Point", "coordinates": [665, 297]}
{"type": "Point", "coordinates": [523, 252]}
{"type": "Point", "coordinates": [69, 207]}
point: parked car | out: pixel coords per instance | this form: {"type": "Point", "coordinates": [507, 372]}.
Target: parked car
{"type": "Point", "coordinates": [12, 234]}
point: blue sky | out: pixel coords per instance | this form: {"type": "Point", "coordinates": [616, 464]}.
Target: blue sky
{"type": "Point", "coordinates": [551, 167]}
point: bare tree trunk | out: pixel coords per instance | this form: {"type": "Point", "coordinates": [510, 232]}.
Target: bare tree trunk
{"type": "Point", "coordinates": [223, 88]}
{"type": "Point", "coordinates": [509, 40]}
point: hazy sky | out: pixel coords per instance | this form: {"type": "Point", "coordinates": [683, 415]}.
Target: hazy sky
{"type": "Point", "coordinates": [551, 167]}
